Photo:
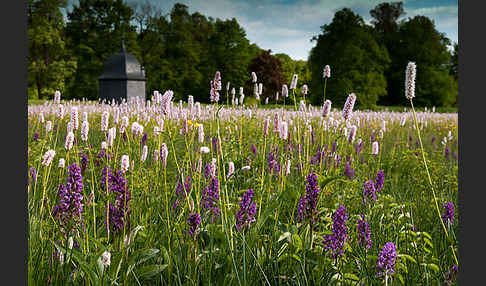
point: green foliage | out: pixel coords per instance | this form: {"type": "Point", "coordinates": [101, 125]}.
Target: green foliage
{"type": "Point", "coordinates": [49, 62]}
{"type": "Point", "coordinates": [357, 62]}
{"type": "Point", "coordinates": [417, 40]}
{"type": "Point", "coordinates": [291, 67]}
{"type": "Point", "coordinates": [385, 16]}
{"type": "Point", "coordinates": [182, 51]}
{"type": "Point", "coordinates": [95, 31]}
{"type": "Point", "coordinates": [454, 61]}
{"type": "Point", "coordinates": [230, 53]}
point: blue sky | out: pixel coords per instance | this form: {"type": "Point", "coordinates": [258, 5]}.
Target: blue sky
{"type": "Point", "coordinates": [286, 26]}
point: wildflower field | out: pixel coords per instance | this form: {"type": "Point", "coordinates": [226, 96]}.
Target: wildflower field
{"type": "Point", "coordinates": [164, 193]}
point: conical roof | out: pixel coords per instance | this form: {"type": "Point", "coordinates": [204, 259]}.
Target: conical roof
{"type": "Point", "coordinates": [122, 65]}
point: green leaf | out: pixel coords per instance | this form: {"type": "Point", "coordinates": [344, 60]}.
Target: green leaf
{"type": "Point", "coordinates": [133, 234]}
{"type": "Point", "coordinates": [166, 256]}
{"type": "Point", "coordinates": [142, 255]}
{"type": "Point", "coordinates": [116, 261]}
{"type": "Point", "coordinates": [434, 267]}
{"type": "Point", "coordinates": [101, 267]}
{"type": "Point", "coordinates": [285, 235]}
{"type": "Point", "coordinates": [428, 242]}
{"type": "Point", "coordinates": [151, 270]}
{"type": "Point", "coordinates": [297, 241]}
{"type": "Point", "coordinates": [351, 276]}
{"type": "Point", "coordinates": [283, 257]}
{"type": "Point", "coordinates": [400, 277]}
{"type": "Point", "coordinates": [85, 267]}
{"type": "Point", "coordinates": [282, 249]}
{"type": "Point", "coordinates": [335, 277]}
{"type": "Point", "coordinates": [408, 257]}
{"type": "Point", "coordinates": [324, 181]}
{"type": "Point", "coordinates": [427, 235]}
{"type": "Point", "coordinates": [403, 267]}
{"type": "Point", "coordinates": [77, 256]}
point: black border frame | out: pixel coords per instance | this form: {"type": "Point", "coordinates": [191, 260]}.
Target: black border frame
{"type": "Point", "coordinates": [14, 117]}
{"type": "Point", "coordinates": [14, 75]}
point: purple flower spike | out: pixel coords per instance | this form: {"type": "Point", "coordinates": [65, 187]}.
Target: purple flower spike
{"type": "Point", "coordinates": [364, 233]}
{"type": "Point", "coordinates": [245, 216]}
{"type": "Point", "coordinates": [335, 242]}
{"type": "Point", "coordinates": [118, 213]}
{"type": "Point", "coordinates": [451, 275]}
{"type": "Point", "coordinates": [386, 260]}
{"type": "Point", "coordinates": [210, 198]}
{"type": "Point", "coordinates": [448, 214]}
{"type": "Point", "coordinates": [70, 207]}
{"type": "Point", "coordinates": [348, 172]}
{"type": "Point", "coordinates": [369, 191]}
{"type": "Point", "coordinates": [144, 138]}
{"type": "Point", "coordinates": [194, 221]}
{"type": "Point", "coordinates": [308, 203]}
{"type": "Point", "coordinates": [253, 149]}
{"type": "Point", "coordinates": [33, 173]}
{"type": "Point", "coordinates": [379, 180]}
{"type": "Point", "coordinates": [84, 162]}
{"type": "Point", "coordinates": [179, 190]}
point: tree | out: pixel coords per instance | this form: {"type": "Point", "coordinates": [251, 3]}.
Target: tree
{"type": "Point", "coordinates": [96, 29]}
{"type": "Point", "coordinates": [153, 29]}
{"type": "Point", "coordinates": [454, 61]}
{"type": "Point", "coordinates": [386, 27]}
{"type": "Point", "coordinates": [269, 72]}
{"type": "Point", "coordinates": [228, 53]}
{"type": "Point", "coordinates": [183, 53]}
{"type": "Point", "coordinates": [420, 42]}
{"type": "Point", "coordinates": [49, 62]}
{"type": "Point", "coordinates": [356, 59]}
{"type": "Point", "coordinates": [291, 67]}
{"type": "Point", "coordinates": [144, 13]}
{"type": "Point", "coordinates": [385, 16]}
{"type": "Point", "coordinates": [179, 51]}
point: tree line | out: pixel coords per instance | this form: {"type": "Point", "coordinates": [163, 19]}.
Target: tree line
{"type": "Point", "coordinates": [182, 51]}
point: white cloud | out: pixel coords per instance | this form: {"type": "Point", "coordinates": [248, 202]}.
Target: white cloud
{"type": "Point", "coordinates": [445, 18]}
{"type": "Point", "coordinates": [288, 27]}
{"type": "Point", "coordinates": [439, 10]}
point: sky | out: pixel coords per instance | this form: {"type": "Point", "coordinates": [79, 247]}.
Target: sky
{"type": "Point", "coordinates": [287, 26]}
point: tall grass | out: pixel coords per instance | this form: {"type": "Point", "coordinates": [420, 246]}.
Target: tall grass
{"type": "Point", "coordinates": [154, 248]}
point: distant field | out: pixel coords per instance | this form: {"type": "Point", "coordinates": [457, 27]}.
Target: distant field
{"type": "Point", "coordinates": [290, 107]}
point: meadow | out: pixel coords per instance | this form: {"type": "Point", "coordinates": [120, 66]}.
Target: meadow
{"type": "Point", "coordinates": [180, 193]}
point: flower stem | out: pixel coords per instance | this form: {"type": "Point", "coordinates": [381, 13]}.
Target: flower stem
{"type": "Point", "coordinates": [430, 180]}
